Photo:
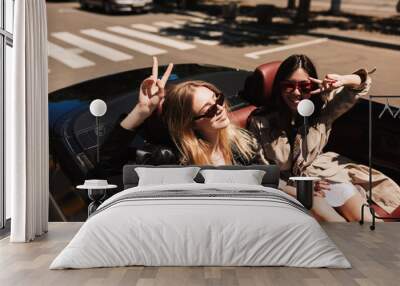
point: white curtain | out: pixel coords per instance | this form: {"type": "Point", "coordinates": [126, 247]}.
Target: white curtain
{"type": "Point", "coordinates": [27, 154]}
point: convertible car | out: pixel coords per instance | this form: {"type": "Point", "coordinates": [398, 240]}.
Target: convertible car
{"type": "Point", "coordinates": [73, 134]}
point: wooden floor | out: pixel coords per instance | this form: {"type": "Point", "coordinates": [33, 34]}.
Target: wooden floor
{"type": "Point", "coordinates": [374, 255]}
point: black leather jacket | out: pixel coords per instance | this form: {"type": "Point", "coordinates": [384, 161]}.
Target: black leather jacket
{"type": "Point", "coordinates": [115, 153]}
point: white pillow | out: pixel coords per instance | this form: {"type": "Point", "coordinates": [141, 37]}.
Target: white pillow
{"type": "Point", "coordinates": [248, 177]}
{"type": "Point", "coordinates": [164, 176]}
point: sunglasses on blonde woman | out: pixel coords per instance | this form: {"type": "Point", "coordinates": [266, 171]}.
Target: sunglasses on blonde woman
{"type": "Point", "coordinates": [212, 111]}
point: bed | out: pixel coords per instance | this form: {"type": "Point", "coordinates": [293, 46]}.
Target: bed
{"type": "Point", "coordinates": [201, 224]}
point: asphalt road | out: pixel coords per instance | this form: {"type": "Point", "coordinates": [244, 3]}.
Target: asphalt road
{"type": "Point", "coordinates": [89, 44]}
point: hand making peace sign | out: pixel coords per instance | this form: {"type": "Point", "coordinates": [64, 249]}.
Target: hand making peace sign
{"type": "Point", "coordinates": [151, 95]}
{"type": "Point", "coordinates": [152, 90]}
{"type": "Point", "coordinates": [334, 81]}
{"type": "Point", "coordinates": [329, 83]}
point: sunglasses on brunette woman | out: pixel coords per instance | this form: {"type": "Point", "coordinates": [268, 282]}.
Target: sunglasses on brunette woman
{"type": "Point", "coordinates": [303, 86]}
{"type": "Point", "coordinates": [213, 109]}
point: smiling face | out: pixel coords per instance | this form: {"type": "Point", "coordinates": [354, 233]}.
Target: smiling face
{"type": "Point", "coordinates": [203, 99]}
{"type": "Point", "coordinates": [295, 88]}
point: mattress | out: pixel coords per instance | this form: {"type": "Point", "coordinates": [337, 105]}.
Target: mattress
{"type": "Point", "coordinates": [201, 225]}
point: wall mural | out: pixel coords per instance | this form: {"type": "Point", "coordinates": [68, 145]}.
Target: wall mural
{"type": "Point", "coordinates": [75, 132]}
{"type": "Point", "coordinates": [100, 119]}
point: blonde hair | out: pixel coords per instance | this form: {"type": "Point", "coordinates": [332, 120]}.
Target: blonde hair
{"type": "Point", "coordinates": [178, 114]}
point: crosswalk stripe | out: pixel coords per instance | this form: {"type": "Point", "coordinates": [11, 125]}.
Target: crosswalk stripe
{"type": "Point", "coordinates": [92, 47]}
{"type": "Point", "coordinates": [179, 24]}
{"type": "Point", "coordinates": [163, 24]}
{"type": "Point", "coordinates": [153, 29]}
{"type": "Point", "coordinates": [68, 57]}
{"type": "Point", "coordinates": [256, 55]}
{"type": "Point", "coordinates": [151, 38]}
{"type": "Point", "coordinates": [228, 32]}
{"type": "Point", "coordinates": [231, 33]}
{"type": "Point", "coordinates": [146, 28]}
{"type": "Point", "coordinates": [204, 28]}
{"type": "Point", "coordinates": [206, 42]}
{"type": "Point", "coordinates": [127, 43]}
{"type": "Point", "coordinates": [198, 20]}
{"type": "Point", "coordinates": [195, 25]}
{"type": "Point", "coordinates": [204, 21]}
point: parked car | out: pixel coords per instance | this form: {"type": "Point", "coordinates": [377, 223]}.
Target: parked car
{"type": "Point", "coordinates": [111, 6]}
{"type": "Point", "coordinates": [72, 129]}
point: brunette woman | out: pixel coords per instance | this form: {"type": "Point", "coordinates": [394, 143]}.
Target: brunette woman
{"type": "Point", "coordinates": [279, 132]}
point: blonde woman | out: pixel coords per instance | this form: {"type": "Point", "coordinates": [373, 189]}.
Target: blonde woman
{"type": "Point", "coordinates": [197, 119]}
{"type": "Point", "coordinates": [196, 114]}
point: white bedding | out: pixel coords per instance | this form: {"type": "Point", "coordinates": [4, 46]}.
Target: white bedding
{"type": "Point", "coordinates": [190, 230]}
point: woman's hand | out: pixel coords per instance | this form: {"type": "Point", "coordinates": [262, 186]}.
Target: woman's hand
{"type": "Point", "coordinates": [320, 187]}
{"type": "Point", "coordinates": [151, 95]}
{"type": "Point", "coordinates": [152, 90]}
{"type": "Point", "coordinates": [334, 81]}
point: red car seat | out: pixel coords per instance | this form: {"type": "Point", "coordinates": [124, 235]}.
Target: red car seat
{"type": "Point", "coordinates": [258, 86]}
{"type": "Point", "coordinates": [257, 91]}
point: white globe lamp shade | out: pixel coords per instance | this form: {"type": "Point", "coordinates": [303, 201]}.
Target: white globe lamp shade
{"type": "Point", "coordinates": [305, 107]}
{"type": "Point", "coordinates": [98, 107]}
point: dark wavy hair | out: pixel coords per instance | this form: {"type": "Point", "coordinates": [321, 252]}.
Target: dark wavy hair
{"type": "Point", "coordinates": [286, 69]}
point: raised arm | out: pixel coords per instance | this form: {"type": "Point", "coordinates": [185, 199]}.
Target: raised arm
{"type": "Point", "coordinates": [114, 150]}
{"type": "Point", "coordinates": [342, 93]}
{"type": "Point", "coordinates": [151, 95]}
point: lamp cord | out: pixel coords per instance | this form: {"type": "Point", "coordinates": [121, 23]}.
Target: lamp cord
{"type": "Point", "coordinates": [98, 139]}
{"type": "Point", "coordinates": [305, 138]}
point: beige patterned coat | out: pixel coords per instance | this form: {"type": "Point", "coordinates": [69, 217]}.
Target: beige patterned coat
{"type": "Point", "coordinates": [270, 131]}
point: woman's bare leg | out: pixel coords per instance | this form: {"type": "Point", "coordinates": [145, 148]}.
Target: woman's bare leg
{"type": "Point", "coordinates": [351, 209]}
{"type": "Point", "coordinates": [325, 212]}
{"type": "Point", "coordinates": [321, 210]}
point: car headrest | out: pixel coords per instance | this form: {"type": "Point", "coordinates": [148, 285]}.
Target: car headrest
{"type": "Point", "coordinates": [258, 86]}
{"type": "Point", "coordinates": [239, 116]}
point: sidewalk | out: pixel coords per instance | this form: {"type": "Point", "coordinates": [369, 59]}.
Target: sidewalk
{"type": "Point", "coordinates": [376, 8]}
{"type": "Point", "coordinates": [375, 28]}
